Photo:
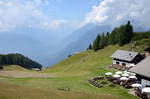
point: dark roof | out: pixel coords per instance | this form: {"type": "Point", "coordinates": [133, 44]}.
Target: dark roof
{"type": "Point", "coordinates": [142, 68]}
{"type": "Point", "coordinates": [147, 49]}
{"type": "Point", "coordinates": [124, 55]}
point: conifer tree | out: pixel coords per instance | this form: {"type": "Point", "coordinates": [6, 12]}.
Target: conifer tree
{"type": "Point", "coordinates": [129, 30]}
{"type": "Point", "coordinates": [102, 41]}
{"type": "Point", "coordinates": [107, 38]}
{"type": "Point", "coordinates": [90, 47]}
{"type": "Point", "coordinates": [126, 33]}
{"type": "Point", "coordinates": [120, 35]}
{"type": "Point", "coordinates": [96, 43]}
{"type": "Point", "coordinates": [114, 36]}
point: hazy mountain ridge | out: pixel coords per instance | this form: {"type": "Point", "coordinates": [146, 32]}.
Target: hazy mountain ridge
{"type": "Point", "coordinates": [79, 41]}
{"type": "Point", "coordinates": [47, 47]}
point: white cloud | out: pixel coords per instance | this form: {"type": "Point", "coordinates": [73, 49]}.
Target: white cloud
{"type": "Point", "coordinates": [29, 13]}
{"type": "Point", "coordinates": [61, 24]}
{"type": "Point", "coordinates": [39, 2]}
{"type": "Point", "coordinates": [55, 24]}
{"type": "Point", "coordinates": [17, 13]}
{"type": "Point", "coordinates": [116, 12]}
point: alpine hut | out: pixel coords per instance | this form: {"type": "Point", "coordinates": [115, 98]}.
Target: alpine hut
{"type": "Point", "coordinates": [142, 71]}
{"type": "Point", "coordinates": [126, 58]}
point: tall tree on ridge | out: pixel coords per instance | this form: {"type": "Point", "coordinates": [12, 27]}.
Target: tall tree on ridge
{"type": "Point", "coordinates": [126, 33]}
{"type": "Point", "coordinates": [96, 43]}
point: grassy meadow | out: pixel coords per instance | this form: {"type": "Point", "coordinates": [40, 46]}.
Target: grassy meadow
{"type": "Point", "coordinates": [14, 68]}
{"type": "Point", "coordinates": [71, 73]}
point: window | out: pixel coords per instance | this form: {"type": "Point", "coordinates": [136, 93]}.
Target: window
{"type": "Point", "coordinates": [117, 63]}
{"type": "Point", "coordinates": [147, 86]}
{"type": "Point", "coordinates": [123, 64]}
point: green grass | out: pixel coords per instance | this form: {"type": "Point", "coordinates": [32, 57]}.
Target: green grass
{"type": "Point", "coordinates": [142, 44]}
{"type": "Point", "coordinates": [11, 91]}
{"type": "Point", "coordinates": [14, 68]}
{"type": "Point", "coordinates": [73, 73]}
{"type": "Point", "coordinates": [86, 63]}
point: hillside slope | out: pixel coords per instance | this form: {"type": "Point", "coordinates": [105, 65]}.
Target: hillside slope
{"type": "Point", "coordinates": [87, 62]}
{"type": "Point", "coordinates": [73, 73]}
{"type": "Point", "coordinates": [77, 69]}
{"type": "Point", "coordinates": [14, 68]}
{"type": "Point", "coordinates": [94, 62]}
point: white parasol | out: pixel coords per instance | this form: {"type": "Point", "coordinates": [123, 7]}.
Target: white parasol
{"type": "Point", "coordinates": [108, 74]}
{"type": "Point", "coordinates": [124, 78]}
{"type": "Point", "coordinates": [132, 74]}
{"type": "Point", "coordinates": [116, 76]}
{"type": "Point", "coordinates": [132, 77]}
{"type": "Point", "coordinates": [125, 75]}
{"type": "Point", "coordinates": [126, 72]}
{"type": "Point", "coordinates": [136, 85]}
{"type": "Point", "coordinates": [132, 65]}
{"type": "Point", "coordinates": [118, 73]}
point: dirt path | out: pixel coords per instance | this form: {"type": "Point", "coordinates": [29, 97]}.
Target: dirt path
{"type": "Point", "coordinates": [20, 74]}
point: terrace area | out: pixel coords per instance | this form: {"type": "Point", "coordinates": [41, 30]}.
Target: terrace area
{"type": "Point", "coordinates": [125, 79]}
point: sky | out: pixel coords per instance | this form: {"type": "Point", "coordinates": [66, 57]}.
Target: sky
{"type": "Point", "coordinates": [54, 14]}
{"type": "Point", "coordinates": [37, 27]}
{"type": "Point", "coordinates": [45, 14]}
{"type": "Point", "coordinates": [116, 12]}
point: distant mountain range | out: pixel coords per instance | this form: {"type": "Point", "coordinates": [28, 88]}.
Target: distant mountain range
{"type": "Point", "coordinates": [32, 42]}
{"type": "Point", "coordinates": [79, 41]}
{"type": "Point", "coordinates": [48, 47]}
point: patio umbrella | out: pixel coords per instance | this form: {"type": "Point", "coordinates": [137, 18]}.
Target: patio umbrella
{"type": "Point", "coordinates": [136, 85]}
{"type": "Point", "coordinates": [116, 76]}
{"type": "Point", "coordinates": [146, 90]}
{"type": "Point", "coordinates": [118, 73]}
{"type": "Point", "coordinates": [132, 74]}
{"type": "Point", "coordinates": [125, 75]}
{"type": "Point", "coordinates": [132, 77]}
{"type": "Point", "coordinates": [124, 78]}
{"type": "Point", "coordinates": [132, 65]}
{"type": "Point", "coordinates": [108, 74]}
{"type": "Point", "coordinates": [126, 72]}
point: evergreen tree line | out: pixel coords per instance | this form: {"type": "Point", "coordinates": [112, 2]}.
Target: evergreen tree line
{"type": "Point", "coordinates": [141, 35]}
{"type": "Point", "coordinates": [119, 35]}
{"type": "Point", "coordinates": [18, 59]}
